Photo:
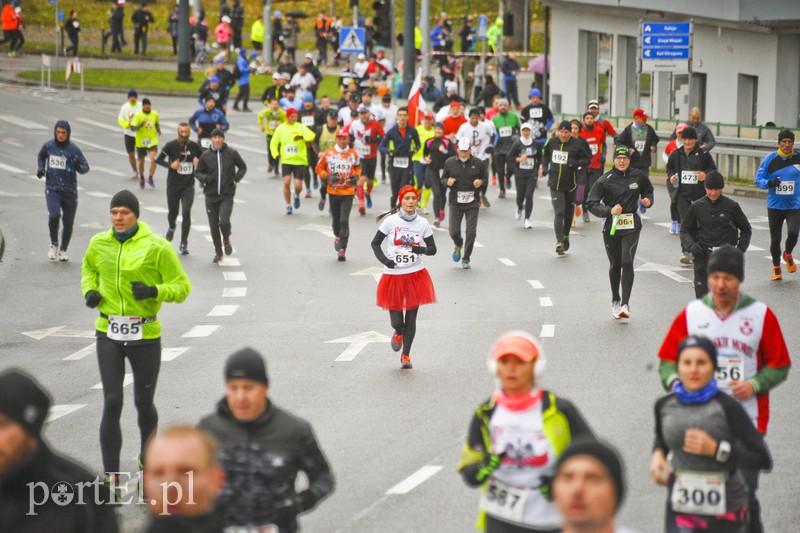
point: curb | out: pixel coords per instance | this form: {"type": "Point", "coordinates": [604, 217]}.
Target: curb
{"type": "Point", "coordinates": [2, 245]}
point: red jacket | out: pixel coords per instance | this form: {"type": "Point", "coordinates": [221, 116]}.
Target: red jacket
{"type": "Point", "coordinates": [9, 18]}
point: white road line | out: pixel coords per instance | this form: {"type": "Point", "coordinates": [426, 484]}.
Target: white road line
{"type": "Point", "coordinates": [98, 194]}
{"type": "Point", "coordinates": [536, 284]}
{"type": "Point", "coordinates": [664, 224]}
{"type": "Point", "coordinates": [15, 170]}
{"type": "Point", "coordinates": [234, 276]}
{"type": "Point", "coordinates": [125, 382]}
{"type": "Point", "coordinates": [98, 146]}
{"type": "Point", "coordinates": [201, 331]}
{"type": "Point", "coordinates": [548, 330]}
{"type": "Point", "coordinates": [209, 238]}
{"type": "Point", "coordinates": [506, 261]}
{"type": "Point", "coordinates": [168, 354]}
{"type": "Point", "coordinates": [230, 262]}
{"type": "Point", "coordinates": [754, 248]}
{"type": "Point", "coordinates": [770, 258]}
{"type": "Point", "coordinates": [109, 171]}
{"type": "Point", "coordinates": [200, 227]}
{"type": "Point", "coordinates": [543, 196]}
{"type": "Point", "coordinates": [237, 201]}
{"type": "Point", "coordinates": [57, 411]}
{"type": "Point", "coordinates": [234, 292]}
{"type": "Point", "coordinates": [478, 245]}
{"type": "Point", "coordinates": [223, 310]}
{"type": "Point", "coordinates": [545, 301]}
{"type": "Point", "coordinates": [155, 209]}
{"type": "Point", "coordinates": [102, 125]}
{"type": "Point", "coordinates": [414, 480]}
{"type": "Point", "coordinates": [756, 226]}
{"type": "Point", "coordinates": [23, 122]}
{"type": "Point", "coordinates": [80, 354]}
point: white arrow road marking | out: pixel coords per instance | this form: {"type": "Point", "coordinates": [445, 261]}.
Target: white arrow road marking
{"type": "Point", "coordinates": [667, 270]}
{"type": "Point", "coordinates": [545, 301]}
{"type": "Point", "coordinates": [201, 331]}
{"type": "Point", "coordinates": [80, 354]}
{"type": "Point", "coordinates": [223, 310]}
{"type": "Point", "coordinates": [234, 276]}
{"type": "Point", "coordinates": [58, 331]}
{"type": "Point", "coordinates": [168, 354]}
{"type": "Point", "coordinates": [414, 480]}
{"type": "Point", "coordinates": [57, 411]}
{"type": "Point", "coordinates": [325, 230]}
{"type": "Point", "coordinates": [125, 382]}
{"type": "Point", "coordinates": [506, 261]}
{"type": "Point", "coordinates": [375, 272]}
{"type": "Point", "coordinates": [357, 343]}
{"type": "Point", "coordinates": [754, 248]}
{"type": "Point", "coordinates": [536, 284]}
{"type": "Point", "coordinates": [548, 330]}
{"type": "Point", "coordinates": [234, 292]}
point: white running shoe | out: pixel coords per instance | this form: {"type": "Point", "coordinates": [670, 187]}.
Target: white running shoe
{"type": "Point", "coordinates": [528, 224]}
{"type": "Point", "coordinates": [52, 253]}
{"type": "Point", "coordinates": [517, 214]}
{"type": "Point", "coordinates": [616, 310]}
{"type": "Point", "coordinates": [624, 312]}
{"type": "Point", "coordinates": [62, 255]}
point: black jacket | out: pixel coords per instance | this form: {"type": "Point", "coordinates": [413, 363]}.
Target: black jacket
{"type": "Point", "coordinates": [218, 171]}
{"type": "Point", "coordinates": [141, 19]}
{"type": "Point", "coordinates": [614, 188]}
{"type": "Point", "coordinates": [186, 154]}
{"type": "Point", "coordinates": [534, 156]}
{"type": "Point", "coordinates": [563, 160]}
{"type": "Point", "coordinates": [185, 524]}
{"type": "Point", "coordinates": [47, 468]}
{"type": "Point", "coordinates": [641, 157]}
{"type": "Point", "coordinates": [261, 460]}
{"type": "Point", "coordinates": [710, 224]}
{"type": "Point", "coordinates": [696, 160]}
{"type": "Point", "coordinates": [465, 173]}
{"type": "Point", "coordinates": [540, 123]}
{"type": "Point", "coordinates": [438, 158]}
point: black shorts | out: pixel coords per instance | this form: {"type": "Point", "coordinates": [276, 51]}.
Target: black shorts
{"type": "Point", "coordinates": [298, 171]}
{"type": "Point", "coordinates": [142, 152]}
{"type": "Point", "coordinates": [368, 167]}
{"type": "Point", "coordinates": [130, 144]}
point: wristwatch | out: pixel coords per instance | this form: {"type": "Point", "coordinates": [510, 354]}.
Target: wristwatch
{"type": "Point", "coordinates": [723, 451]}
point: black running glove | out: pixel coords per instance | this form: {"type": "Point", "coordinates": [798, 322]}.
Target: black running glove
{"type": "Point", "coordinates": [40, 174]}
{"type": "Point", "coordinates": [93, 299]}
{"type": "Point", "coordinates": [774, 182]}
{"type": "Point", "coordinates": [142, 291]}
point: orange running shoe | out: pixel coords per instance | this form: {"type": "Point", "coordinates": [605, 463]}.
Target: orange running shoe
{"type": "Point", "coordinates": [577, 210]}
{"type": "Point", "coordinates": [405, 362]}
{"type": "Point", "coordinates": [397, 342]}
{"type": "Point", "coordinates": [776, 273]}
{"type": "Point", "coordinates": [790, 266]}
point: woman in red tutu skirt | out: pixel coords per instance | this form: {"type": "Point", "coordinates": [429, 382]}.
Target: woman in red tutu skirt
{"type": "Point", "coordinates": [405, 284]}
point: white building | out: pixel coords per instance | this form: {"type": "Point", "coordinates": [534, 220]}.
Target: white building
{"type": "Point", "coordinates": [746, 59]}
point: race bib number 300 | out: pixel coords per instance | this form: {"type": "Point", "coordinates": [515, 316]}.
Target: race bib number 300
{"type": "Point", "coordinates": [124, 328]}
{"type": "Point", "coordinates": [699, 493]}
{"type": "Point", "coordinates": [58, 162]}
{"type": "Point", "coordinates": [785, 188]}
{"type": "Point", "coordinates": [504, 501]}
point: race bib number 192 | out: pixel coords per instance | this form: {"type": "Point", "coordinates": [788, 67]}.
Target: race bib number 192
{"type": "Point", "coordinates": [560, 157]}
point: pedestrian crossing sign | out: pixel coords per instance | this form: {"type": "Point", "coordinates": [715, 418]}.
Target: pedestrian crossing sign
{"type": "Point", "coordinates": [351, 40]}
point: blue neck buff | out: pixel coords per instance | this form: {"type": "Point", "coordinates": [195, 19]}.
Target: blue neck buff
{"type": "Point", "coordinates": [405, 216]}
{"type": "Point", "coordinates": [125, 235]}
{"type": "Point", "coordinates": [700, 396]}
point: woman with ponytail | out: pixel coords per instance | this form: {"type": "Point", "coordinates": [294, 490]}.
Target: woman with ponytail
{"type": "Point", "coordinates": [405, 284]}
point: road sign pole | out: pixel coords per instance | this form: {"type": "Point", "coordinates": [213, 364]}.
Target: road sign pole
{"type": "Point", "coordinates": [425, 28]}
{"type": "Point", "coordinates": [691, 31]}
{"type": "Point", "coordinates": [267, 45]}
{"type": "Point", "coordinates": [184, 42]}
{"type": "Point", "coordinates": [409, 52]}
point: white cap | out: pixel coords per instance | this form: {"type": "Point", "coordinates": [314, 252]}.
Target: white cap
{"type": "Point", "coordinates": [309, 56]}
{"type": "Point", "coordinates": [464, 143]}
{"type": "Point", "coordinates": [226, 18]}
{"type": "Point", "coordinates": [526, 126]}
{"type": "Point", "coordinates": [451, 86]}
{"type": "Point", "coordinates": [361, 56]}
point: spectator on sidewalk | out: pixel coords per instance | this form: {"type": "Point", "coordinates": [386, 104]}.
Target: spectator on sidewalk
{"type": "Point", "coordinates": [237, 23]}
{"type": "Point", "coordinates": [257, 34]}
{"type": "Point", "coordinates": [173, 28]}
{"type": "Point", "coordinates": [116, 19]}
{"type": "Point", "coordinates": [73, 29]}
{"type": "Point", "coordinates": [141, 18]}
{"type": "Point", "coordinates": [223, 33]}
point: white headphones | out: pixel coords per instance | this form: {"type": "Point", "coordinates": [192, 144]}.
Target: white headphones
{"type": "Point", "coordinates": [539, 362]}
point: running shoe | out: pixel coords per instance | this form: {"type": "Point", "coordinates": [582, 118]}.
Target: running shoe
{"type": "Point", "coordinates": [485, 202]}
{"type": "Point", "coordinates": [141, 184]}
{"type": "Point", "coordinates": [642, 209]}
{"type": "Point", "coordinates": [405, 362]}
{"type": "Point", "coordinates": [217, 258]}
{"type": "Point", "coordinates": [288, 210]}
{"type": "Point", "coordinates": [518, 214]}
{"type": "Point", "coordinates": [437, 223]}
{"type": "Point", "coordinates": [573, 222]}
{"type": "Point", "coordinates": [341, 258]}
{"type": "Point", "coordinates": [457, 254]}
{"type": "Point", "coordinates": [183, 248]}
{"type": "Point", "coordinates": [685, 259]}
{"type": "Point", "coordinates": [151, 183]}
{"type": "Point", "coordinates": [585, 217]}
{"type": "Point", "coordinates": [577, 210]}
{"type": "Point", "coordinates": [228, 247]}
{"type": "Point", "coordinates": [296, 202]}
{"type": "Point", "coordinates": [308, 194]}
{"type": "Point", "coordinates": [375, 183]}
{"type": "Point", "coordinates": [565, 242]}
{"type": "Point", "coordinates": [528, 224]}
{"type": "Point", "coordinates": [624, 312]}
{"type": "Point", "coordinates": [560, 248]}
{"type": "Point", "coordinates": [369, 201]}
{"type": "Point", "coordinates": [170, 234]}
{"type": "Point", "coordinates": [321, 204]}
{"type": "Point", "coordinates": [52, 252]}
{"type": "Point", "coordinates": [441, 215]}
{"type": "Point", "coordinates": [62, 255]}
{"type": "Point", "coordinates": [336, 244]}
{"type": "Point", "coordinates": [397, 342]}
{"type": "Point", "coordinates": [790, 266]}
{"type": "Point", "coordinates": [501, 194]}
{"type": "Point", "coordinates": [362, 210]}
{"type": "Point", "coordinates": [673, 227]}
{"type": "Point", "coordinates": [494, 180]}
{"type": "Point", "coordinates": [316, 184]}
{"type": "Point", "coordinates": [776, 273]}
{"type": "Point", "coordinates": [465, 265]}
{"type": "Point", "coordinates": [678, 228]}
{"type": "Point", "coordinates": [616, 310]}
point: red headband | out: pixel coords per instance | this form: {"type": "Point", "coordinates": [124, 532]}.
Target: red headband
{"type": "Point", "coordinates": [405, 190]}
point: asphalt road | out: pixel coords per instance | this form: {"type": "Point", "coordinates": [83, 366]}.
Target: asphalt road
{"type": "Point", "coordinates": [393, 437]}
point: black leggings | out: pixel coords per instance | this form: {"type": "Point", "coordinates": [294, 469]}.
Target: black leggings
{"type": "Point", "coordinates": [340, 217]}
{"type": "Point", "coordinates": [439, 192]}
{"type": "Point", "coordinates": [621, 249]}
{"type": "Point", "coordinates": [406, 327]}
{"type": "Point", "coordinates": [563, 205]}
{"type": "Point", "coordinates": [399, 178]}
{"type": "Point", "coordinates": [219, 210]}
{"type": "Point", "coordinates": [500, 167]}
{"type": "Point", "coordinates": [673, 206]}
{"type": "Point", "coordinates": [525, 186]}
{"type": "Point", "coordinates": [145, 361]}
{"type": "Point", "coordinates": [243, 96]}
{"type": "Point", "coordinates": [776, 218]}
{"type": "Point", "coordinates": [180, 196]}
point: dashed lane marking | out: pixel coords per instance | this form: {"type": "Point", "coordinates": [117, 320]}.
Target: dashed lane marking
{"type": "Point", "coordinates": [80, 354]}
{"type": "Point", "coordinates": [98, 146]}
{"type": "Point", "coordinates": [761, 228]}
{"type": "Point", "coordinates": [14, 170]}
{"type": "Point", "coordinates": [109, 171]}
{"type": "Point", "coordinates": [506, 261]}
{"type": "Point", "coordinates": [168, 354]}
{"type": "Point", "coordinates": [230, 262]}
{"type": "Point", "coordinates": [223, 310]}
{"type": "Point", "coordinates": [234, 276]}
{"type": "Point", "coordinates": [536, 284]}
{"type": "Point", "coordinates": [201, 331]}
{"type": "Point", "coordinates": [548, 330]}
{"type": "Point", "coordinates": [414, 480]}
{"type": "Point", "coordinates": [200, 227]}
{"type": "Point", "coordinates": [57, 411]}
{"type": "Point", "coordinates": [234, 292]}
{"type": "Point", "coordinates": [23, 122]}
{"type": "Point", "coordinates": [102, 125]}
{"type": "Point", "coordinates": [545, 301]}
{"type": "Point", "coordinates": [125, 382]}
{"type": "Point", "coordinates": [155, 209]}
{"type": "Point", "coordinates": [98, 194]}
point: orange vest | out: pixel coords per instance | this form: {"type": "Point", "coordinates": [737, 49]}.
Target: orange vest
{"type": "Point", "coordinates": [337, 168]}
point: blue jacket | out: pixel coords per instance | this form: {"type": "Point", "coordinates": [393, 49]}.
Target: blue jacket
{"type": "Point", "coordinates": [61, 161]}
{"type": "Point", "coordinates": [787, 194]}
{"type": "Point", "coordinates": [208, 120]}
{"type": "Point", "coordinates": [402, 146]}
{"type": "Point", "coordinates": [437, 35]}
{"type": "Point", "coordinates": [244, 68]}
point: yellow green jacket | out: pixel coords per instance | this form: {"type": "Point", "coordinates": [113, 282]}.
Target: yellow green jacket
{"type": "Point", "coordinates": [257, 32]}
{"type": "Point", "coordinates": [291, 152]}
{"type": "Point", "coordinates": [424, 135]}
{"type": "Point", "coordinates": [270, 120]}
{"type": "Point", "coordinates": [147, 128]}
{"type": "Point", "coordinates": [109, 267]}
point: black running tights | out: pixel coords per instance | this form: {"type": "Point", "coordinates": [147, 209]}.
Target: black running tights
{"type": "Point", "coordinates": [406, 327]}
{"type": "Point", "coordinates": [776, 218]}
{"type": "Point", "coordinates": [621, 249]}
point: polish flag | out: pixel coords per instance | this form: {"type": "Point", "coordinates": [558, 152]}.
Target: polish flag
{"type": "Point", "coordinates": [416, 105]}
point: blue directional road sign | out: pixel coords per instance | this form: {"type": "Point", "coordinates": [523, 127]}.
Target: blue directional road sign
{"type": "Point", "coordinates": [665, 53]}
{"type": "Point", "coordinates": [665, 40]}
{"type": "Point", "coordinates": [351, 40]}
{"type": "Point", "coordinates": [668, 28]}
{"type": "Point", "coordinates": [666, 45]}
{"type": "Point", "coordinates": [483, 27]}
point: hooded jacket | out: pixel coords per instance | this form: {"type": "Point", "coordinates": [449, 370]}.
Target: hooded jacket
{"type": "Point", "coordinates": [563, 160]}
{"type": "Point", "coordinates": [220, 170]}
{"type": "Point", "coordinates": [262, 459]}
{"type": "Point", "coordinates": [61, 162]}
{"type": "Point", "coordinates": [623, 188]}
{"type": "Point", "coordinates": [207, 121]}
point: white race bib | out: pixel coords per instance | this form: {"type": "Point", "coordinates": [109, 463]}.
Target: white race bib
{"type": "Point", "coordinates": [639, 145]}
{"type": "Point", "coordinates": [785, 188]}
{"type": "Point", "coordinates": [527, 164]}
{"type": "Point", "coordinates": [465, 197]}
{"type": "Point", "coordinates": [690, 177]}
{"type": "Point", "coordinates": [559, 157]}
{"type": "Point", "coordinates": [625, 221]}
{"type": "Point", "coordinates": [699, 493]}
{"type": "Point", "coordinates": [205, 143]}
{"type": "Point", "coordinates": [292, 149]}
{"type": "Point", "coordinates": [362, 149]}
{"type": "Point", "coordinates": [729, 369]}
{"type": "Point", "coordinates": [272, 124]}
{"type": "Point", "coordinates": [307, 120]}
{"type": "Point", "coordinates": [536, 112]}
{"type": "Point", "coordinates": [186, 168]}
{"type": "Point", "coordinates": [147, 142]}
{"type": "Point", "coordinates": [503, 501]}
{"type": "Point", "coordinates": [593, 148]}
{"type": "Point", "coordinates": [405, 258]}
{"type": "Point", "coordinates": [504, 131]}
{"type": "Point", "coordinates": [400, 162]}
{"type": "Point", "coordinates": [341, 167]}
{"type": "Point", "coordinates": [124, 328]}
{"type": "Point", "coordinates": [58, 162]}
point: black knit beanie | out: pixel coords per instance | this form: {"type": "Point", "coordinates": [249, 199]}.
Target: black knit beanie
{"type": "Point", "coordinates": [604, 454]}
{"type": "Point", "coordinates": [729, 260]}
{"type": "Point", "coordinates": [698, 341]}
{"type": "Point", "coordinates": [126, 198]}
{"type": "Point", "coordinates": [246, 364]}
{"type": "Point", "coordinates": [23, 400]}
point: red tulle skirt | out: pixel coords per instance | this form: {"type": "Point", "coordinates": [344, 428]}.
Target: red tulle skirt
{"type": "Point", "coordinates": [405, 291]}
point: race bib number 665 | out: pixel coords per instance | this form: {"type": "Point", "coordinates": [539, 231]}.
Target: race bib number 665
{"type": "Point", "coordinates": [124, 328]}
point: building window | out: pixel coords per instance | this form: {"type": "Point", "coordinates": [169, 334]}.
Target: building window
{"type": "Point", "coordinates": [596, 59]}
{"type": "Point", "coordinates": [687, 97]}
